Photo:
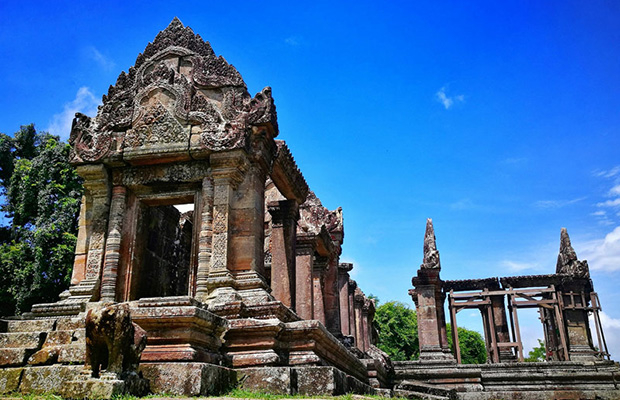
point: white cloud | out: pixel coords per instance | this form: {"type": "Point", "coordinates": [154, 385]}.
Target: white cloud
{"type": "Point", "coordinates": [84, 102]}
{"type": "Point", "coordinates": [610, 203]}
{"type": "Point", "coordinates": [448, 101]}
{"type": "Point", "coordinates": [103, 61]}
{"type": "Point", "coordinates": [611, 330]}
{"type": "Point", "coordinates": [615, 191]}
{"type": "Point", "coordinates": [514, 266]}
{"type": "Point", "coordinates": [557, 203]}
{"type": "Point", "coordinates": [603, 254]}
{"type": "Point", "coordinates": [599, 213]}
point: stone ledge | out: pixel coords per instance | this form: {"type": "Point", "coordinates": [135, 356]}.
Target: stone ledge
{"type": "Point", "coordinates": [188, 379]}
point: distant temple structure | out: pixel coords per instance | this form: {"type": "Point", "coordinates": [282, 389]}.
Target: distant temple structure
{"type": "Point", "coordinates": [204, 262]}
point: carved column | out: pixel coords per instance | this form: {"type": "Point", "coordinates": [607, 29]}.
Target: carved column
{"type": "Point", "coordinates": [343, 293]}
{"type": "Point", "coordinates": [304, 249]}
{"type": "Point", "coordinates": [81, 247]}
{"type": "Point", "coordinates": [443, 334]}
{"type": "Point", "coordinates": [318, 287]}
{"type": "Point", "coordinates": [575, 300]}
{"type": "Point", "coordinates": [95, 223]}
{"type": "Point", "coordinates": [284, 216]}
{"type": "Point", "coordinates": [113, 244]}
{"type": "Point", "coordinates": [227, 172]}
{"type": "Point", "coordinates": [332, 296]}
{"type": "Point", "coordinates": [359, 319]}
{"type": "Point", "coordinates": [205, 239]}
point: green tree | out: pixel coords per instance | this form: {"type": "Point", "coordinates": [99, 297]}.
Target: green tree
{"type": "Point", "coordinates": [41, 200]}
{"type": "Point", "coordinates": [538, 353]}
{"type": "Point", "coordinates": [471, 343]}
{"type": "Point", "coordinates": [397, 325]}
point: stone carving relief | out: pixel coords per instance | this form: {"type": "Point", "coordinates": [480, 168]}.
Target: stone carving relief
{"type": "Point", "coordinates": [177, 81]}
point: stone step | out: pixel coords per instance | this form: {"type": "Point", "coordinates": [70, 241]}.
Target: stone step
{"type": "Point", "coordinates": [407, 394]}
{"type": "Point", "coordinates": [26, 340]}
{"type": "Point", "coordinates": [30, 325]}
{"type": "Point", "coordinates": [56, 338]}
{"type": "Point", "coordinates": [414, 386]}
{"type": "Point", "coordinates": [14, 357]}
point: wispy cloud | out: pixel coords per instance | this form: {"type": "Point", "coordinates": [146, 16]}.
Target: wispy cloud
{"type": "Point", "coordinates": [293, 41]}
{"type": "Point", "coordinates": [104, 62]}
{"type": "Point", "coordinates": [84, 102]}
{"type": "Point", "coordinates": [515, 266]}
{"type": "Point", "coordinates": [608, 173]}
{"type": "Point", "coordinates": [614, 191]}
{"type": "Point", "coordinates": [514, 160]}
{"type": "Point", "coordinates": [462, 204]}
{"type": "Point", "coordinates": [446, 100]}
{"type": "Point", "coordinates": [603, 254]}
{"type": "Point", "coordinates": [557, 203]}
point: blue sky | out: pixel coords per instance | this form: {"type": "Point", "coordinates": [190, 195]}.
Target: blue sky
{"type": "Point", "coordinates": [499, 120]}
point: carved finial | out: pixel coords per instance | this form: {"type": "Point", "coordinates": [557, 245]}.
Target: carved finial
{"type": "Point", "coordinates": [567, 259]}
{"type": "Point", "coordinates": [175, 23]}
{"type": "Point", "coordinates": [431, 255]}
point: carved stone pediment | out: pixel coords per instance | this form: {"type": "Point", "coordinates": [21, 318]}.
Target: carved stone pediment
{"type": "Point", "coordinates": [179, 98]}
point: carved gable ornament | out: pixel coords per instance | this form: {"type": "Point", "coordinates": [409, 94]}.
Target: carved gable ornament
{"type": "Point", "coordinates": [180, 100]}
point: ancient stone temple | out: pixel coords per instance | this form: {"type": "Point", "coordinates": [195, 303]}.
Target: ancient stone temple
{"type": "Point", "coordinates": [575, 367]}
{"type": "Point", "coordinates": [203, 259]}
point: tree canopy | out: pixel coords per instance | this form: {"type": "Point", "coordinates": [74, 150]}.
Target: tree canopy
{"type": "Point", "coordinates": [41, 195]}
{"type": "Point", "coordinates": [397, 325]}
{"type": "Point", "coordinates": [538, 353]}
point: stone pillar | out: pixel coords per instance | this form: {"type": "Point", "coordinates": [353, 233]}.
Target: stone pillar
{"type": "Point", "coordinates": [284, 216]}
{"type": "Point", "coordinates": [318, 287]}
{"type": "Point", "coordinates": [352, 285]}
{"type": "Point", "coordinates": [205, 239]}
{"type": "Point", "coordinates": [93, 228]}
{"type": "Point", "coordinates": [443, 334]}
{"type": "Point", "coordinates": [332, 297]}
{"type": "Point", "coordinates": [359, 319]}
{"type": "Point", "coordinates": [304, 261]}
{"type": "Point", "coordinates": [227, 172]}
{"type": "Point", "coordinates": [113, 244]}
{"type": "Point", "coordinates": [429, 304]}
{"type": "Point", "coordinates": [343, 293]}
{"type": "Point", "coordinates": [366, 327]}
{"type": "Point", "coordinates": [579, 335]}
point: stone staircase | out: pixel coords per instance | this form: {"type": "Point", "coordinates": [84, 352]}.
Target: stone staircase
{"type": "Point", "coordinates": [412, 389]}
{"type": "Point", "coordinates": [30, 348]}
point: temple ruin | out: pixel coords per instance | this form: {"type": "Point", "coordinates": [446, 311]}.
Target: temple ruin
{"type": "Point", "coordinates": [204, 262]}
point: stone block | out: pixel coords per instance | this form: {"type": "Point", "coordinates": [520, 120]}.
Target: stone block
{"type": "Point", "coordinates": [72, 354]}
{"type": "Point", "coordinates": [27, 340]}
{"type": "Point", "coordinates": [56, 338]}
{"type": "Point", "coordinates": [318, 381]}
{"type": "Point", "coordinates": [31, 325]}
{"type": "Point", "coordinates": [70, 324]}
{"type": "Point", "coordinates": [9, 379]}
{"type": "Point", "coordinates": [273, 380]}
{"type": "Point", "coordinates": [48, 379]}
{"type": "Point", "coordinates": [13, 357]}
{"type": "Point", "coordinates": [188, 379]}
{"type": "Point", "coordinates": [45, 356]}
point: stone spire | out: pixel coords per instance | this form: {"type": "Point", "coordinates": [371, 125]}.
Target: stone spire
{"type": "Point", "coordinates": [431, 255]}
{"type": "Point", "coordinates": [568, 263]}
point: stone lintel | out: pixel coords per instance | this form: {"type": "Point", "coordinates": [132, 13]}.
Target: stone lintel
{"type": "Point", "coordinates": [471, 284]}
{"type": "Point", "coordinates": [286, 175]}
{"type": "Point", "coordinates": [229, 166]}
{"type": "Point", "coordinates": [283, 211]}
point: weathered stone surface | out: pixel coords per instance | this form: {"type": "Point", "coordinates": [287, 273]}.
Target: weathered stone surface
{"type": "Point", "coordinates": [30, 325]}
{"type": "Point", "coordinates": [276, 380]}
{"type": "Point", "coordinates": [14, 357]}
{"type": "Point", "coordinates": [188, 379]}
{"type": "Point", "coordinates": [48, 379]}
{"type": "Point", "coordinates": [10, 379]}
{"type": "Point", "coordinates": [316, 381]}
{"type": "Point", "coordinates": [113, 342]}
{"type": "Point", "coordinates": [567, 259]}
{"type": "Point", "coordinates": [28, 340]}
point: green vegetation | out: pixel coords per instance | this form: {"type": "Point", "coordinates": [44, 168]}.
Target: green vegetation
{"type": "Point", "coordinates": [397, 325]}
{"type": "Point", "coordinates": [538, 353]}
{"type": "Point", "coordinates": [471, 343]}
{"type": "Point", "coordinates": [41, 195]}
